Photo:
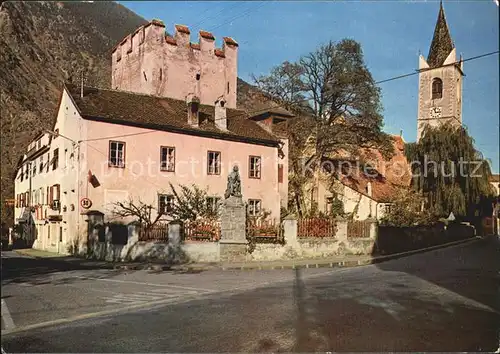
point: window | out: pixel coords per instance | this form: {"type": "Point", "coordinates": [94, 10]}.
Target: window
{"type": "Point", "coordinates": [165, 203]}
{"type": "Point", "coordinates": [41, 164]}
{"type": "Point", "coordinates": [55, 159]}
{"type": "Point", "coordinates": [116, 154]}
{"type": "Point", "coordinates": [213, 203]}
{"type": "Point", "coordinates": [254, 167]}
{"type": "Point", "coordinates": [167, 158]}
{"type": "Point", "coordinates": [228, 87]}
{"type": "Point", "coordinates": [197, 77]}
{"type": "Point", "coordinates": [65, 158]}
{"type": "Point", "coordinates": [280, 173]}
{"type": "Point", "coordinates": [437, 88]}
{"type": "Point", "coordinates": [48, 162]}
{"type": "Point", "coordinates": [161, 74]}
{"type": "Point", "coordinates": [254, 207]}
{"type": "Point", "coordinates": [119, 53]}
{"type": "Point", "coordinates": [213, 163]}
{"type": "Point", "coordinates": [33, 168]}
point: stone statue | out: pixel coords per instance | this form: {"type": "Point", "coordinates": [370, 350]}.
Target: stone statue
{"type": "Point", "coordinates": [233, 184]}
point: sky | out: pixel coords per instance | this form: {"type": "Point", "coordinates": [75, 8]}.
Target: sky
{"type": "Point", "coordinates": [391, 33]}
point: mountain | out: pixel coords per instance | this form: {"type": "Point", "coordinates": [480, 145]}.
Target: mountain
{"type": "Point", "coordinates": [43, 44]}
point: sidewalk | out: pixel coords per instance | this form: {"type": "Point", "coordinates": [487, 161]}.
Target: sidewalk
{"type": "Point", "coordinates": [329, 262]}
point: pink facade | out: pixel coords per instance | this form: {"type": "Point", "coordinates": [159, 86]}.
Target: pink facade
{"type": "Point", "coordinates": [142, 177]}
{"type": "Point", "coordinates": [150, 62]}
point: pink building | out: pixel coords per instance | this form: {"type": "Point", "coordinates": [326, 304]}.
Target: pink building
{"type": "Point", "coordinates": [115, 145]}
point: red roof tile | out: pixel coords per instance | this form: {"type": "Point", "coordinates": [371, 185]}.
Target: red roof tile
{"type": "Point", "coordinates": [207, 35]}
{"type": "Point", "coordinates": [230, 41]}
{"type": "Point", "coordinates": [170, 40]}
{"type": "Point", "coordinates": [162, 113]}
{"type": "Point", "coordinates": [220, 53]}
{"type": "Point", "coordinates": [183, 29]}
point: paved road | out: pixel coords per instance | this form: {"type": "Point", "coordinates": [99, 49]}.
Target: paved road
{"type": "Point", "coordinates": [445, 300]}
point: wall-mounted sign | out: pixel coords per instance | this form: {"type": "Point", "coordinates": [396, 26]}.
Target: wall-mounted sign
{"type": "Point", "coordinates": [86, 203]}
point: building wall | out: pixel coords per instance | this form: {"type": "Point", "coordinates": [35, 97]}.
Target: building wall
{"type": "Point", "coordinates": [362, 206]}
{"type": "Point", "coordinates": [451, 101]}
{"type": "Point", "coordinates": [158, 67]}
{"type": "Point", "coordinates": [142, 177]}
{"type": "Point", "coordinates": [56, 235]}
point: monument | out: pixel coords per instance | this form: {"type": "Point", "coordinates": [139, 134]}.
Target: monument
{"type": "Point", "coordinates": [233, 240]}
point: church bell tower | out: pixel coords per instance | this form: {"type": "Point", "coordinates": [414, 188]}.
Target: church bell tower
{"type": "Point", "coordinates": [440, 81]}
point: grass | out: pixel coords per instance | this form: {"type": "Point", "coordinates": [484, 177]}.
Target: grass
{"type": "Point", "coordinates": [38, 253]}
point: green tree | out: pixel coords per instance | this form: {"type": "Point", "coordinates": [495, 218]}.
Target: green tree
{"type": "Point", "coordinates": [337, 105]}
{"type": "Point", "coordinates": [448, 170]}
{"type": "Point", "coordinates": [191, 204]}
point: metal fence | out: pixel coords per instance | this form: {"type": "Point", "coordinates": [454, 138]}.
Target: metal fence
{"type": "Point", "coordinates": [316, 227]}
{"type": "Point", "coordinates": [358, 229]}
{"type": "Point", "coordinates": [264, 231]}
{"type": "Point", "coordinates": [202, 230]}
{"type": "Point", "coordinates": [158, 232]}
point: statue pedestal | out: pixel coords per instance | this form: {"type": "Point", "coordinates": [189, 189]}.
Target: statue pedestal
{"type": "Point", "coordinates": [233, 242]}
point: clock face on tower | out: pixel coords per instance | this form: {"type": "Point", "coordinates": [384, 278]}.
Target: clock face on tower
{"type": "Point", "coordinates": [435, 112]}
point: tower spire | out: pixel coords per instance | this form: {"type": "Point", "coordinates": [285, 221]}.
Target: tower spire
{"type": "Point", "coordinates": [442, 44]}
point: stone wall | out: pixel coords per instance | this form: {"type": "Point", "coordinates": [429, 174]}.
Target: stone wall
{"type": "Point", "coordinates": [392, 240]}
{"type": "Point", "coordinates": [174, 252]}
{"type": "Point", "coordinates": [296, 248]}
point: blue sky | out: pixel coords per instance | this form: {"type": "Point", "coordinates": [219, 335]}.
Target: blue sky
{"type": "Point", "coordinates": [391, 34]}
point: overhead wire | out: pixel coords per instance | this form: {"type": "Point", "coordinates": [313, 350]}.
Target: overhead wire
{"type": "Point", "coordinates": [247, 113]}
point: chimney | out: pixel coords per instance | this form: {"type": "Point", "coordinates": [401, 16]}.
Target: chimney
{"type": "Point", "coordinates": [220, 114]}
{"type": "Point", "coordinates": [193, 105]}
{"type": "Point", "coordinates": [369, 189]}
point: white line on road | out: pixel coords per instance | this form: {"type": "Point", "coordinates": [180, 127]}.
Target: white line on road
{"type": "Point", "coordinates": [7, 318]}
{"type": "Point", "coordinates": [149, 284]}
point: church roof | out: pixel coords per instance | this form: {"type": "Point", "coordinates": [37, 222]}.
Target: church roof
{"type": "Point", "coordinates": [442, 44]}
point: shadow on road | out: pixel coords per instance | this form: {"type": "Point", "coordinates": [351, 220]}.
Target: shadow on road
{"type": "Point", "coordinates": [447, 300]}
{"type": "Point", "coordinates": [38, 271]}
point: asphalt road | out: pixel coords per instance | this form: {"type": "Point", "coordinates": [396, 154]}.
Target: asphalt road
{"type": "Point", "coordinates": [444, 300]}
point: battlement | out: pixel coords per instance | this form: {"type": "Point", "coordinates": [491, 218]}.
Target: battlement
{"type": "Point", "coordinates": [151, 61]}
{"type": "Point", "coordinates": [181, 37]}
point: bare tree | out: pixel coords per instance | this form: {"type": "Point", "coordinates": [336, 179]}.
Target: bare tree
{"type": "Point", "coordinates": [334, 90]}
{"type": "Point", "coordinates": [142, 211]}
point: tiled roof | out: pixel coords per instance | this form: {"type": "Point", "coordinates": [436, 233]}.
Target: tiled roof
{"type": "Point", "coordinates": [442, 44]}
{"type": "Point", "coordinates": [387, 178]}
{"type": "Point", "coordinates": [495, 178]}
{"type": "Point", "coordinates": [153, 112]}
{"type": "Point", "coordinates": [183, 29]}
{"type": "Point", "coordinates": [207, 35]}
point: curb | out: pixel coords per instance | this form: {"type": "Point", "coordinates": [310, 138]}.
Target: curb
{"type": "Point", "coordinates": [348, 264]}
{"type": "Point", "coordinates": [312, 264]}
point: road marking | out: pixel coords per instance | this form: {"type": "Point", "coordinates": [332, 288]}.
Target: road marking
{"type": "Point", "coordinates": [7, 318]}
{"type": "Point", "coordinates": [148, 284]}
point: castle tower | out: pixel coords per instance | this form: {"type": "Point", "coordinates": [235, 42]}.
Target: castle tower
{"type": "Point", "coordinates": [149, 61]}
{"type": "Point", "coordinates": [440, 81]}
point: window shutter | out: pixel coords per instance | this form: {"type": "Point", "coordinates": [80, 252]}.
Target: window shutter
{"type": "Point", "coordinates": [58, 192]}
{"type": "Point", "coordinates": [51, 198]}
{"type": "Point", "coordinates": [280, 173]}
